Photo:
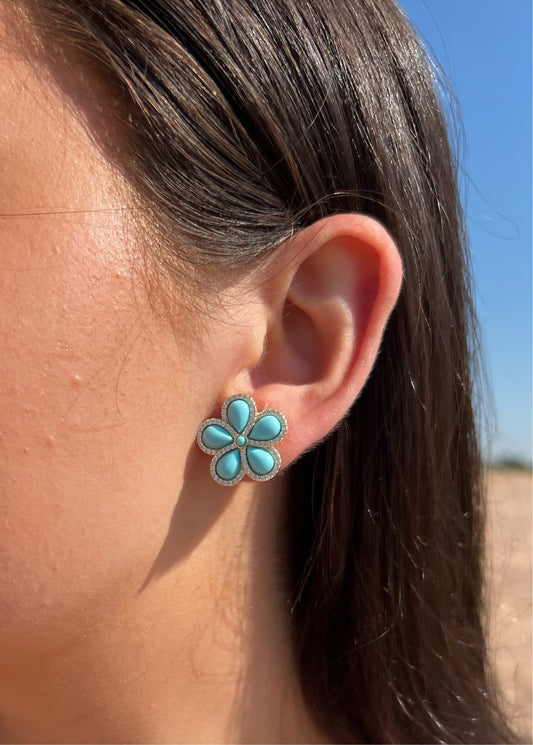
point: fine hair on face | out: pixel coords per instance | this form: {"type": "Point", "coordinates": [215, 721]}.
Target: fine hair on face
{"type": "Point", "coordinates": [247, 121]}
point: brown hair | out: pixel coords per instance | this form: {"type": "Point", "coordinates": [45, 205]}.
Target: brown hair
{"type": "Point", "coordinates": [247, 121]}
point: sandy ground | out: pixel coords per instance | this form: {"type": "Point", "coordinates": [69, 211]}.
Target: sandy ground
{"type": "Point", "coordinates": [509, 558]}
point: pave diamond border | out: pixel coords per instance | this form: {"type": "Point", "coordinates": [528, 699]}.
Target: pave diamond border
{"type": "Point", "coordinates": [253, 411]}
{"type": "Point", "coordinates": [218, 456]}
{"type": "Point", "coordinates": [270, 474]}
{"type": "Point", "coordinates": [274, 440]}
{"type": "Point", "coordinates": [229, 429]}
{"type": "Point", "coordinates": [267, 445]}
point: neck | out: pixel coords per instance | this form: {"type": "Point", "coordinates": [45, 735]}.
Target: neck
{"type": "Point", "coordinates": [200, 653]}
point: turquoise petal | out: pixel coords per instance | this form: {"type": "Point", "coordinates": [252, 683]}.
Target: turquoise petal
{"type": "Point", "coordinates": [260, 461]}
{"type": "Point", "coordinates": [215, 437]}
{"type": "Point", "coordinates": [229, 465]}
{"type": "Point", "coordinates": [266, 428]}
{"type": "Point", "coordinates": [238, 414]}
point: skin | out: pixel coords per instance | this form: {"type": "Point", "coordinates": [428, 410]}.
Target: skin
{"type": "Point", "coordinates": [139, 601]}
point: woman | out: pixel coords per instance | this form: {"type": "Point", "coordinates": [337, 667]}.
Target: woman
{"type": "Point", "coordinates": [209, 200]}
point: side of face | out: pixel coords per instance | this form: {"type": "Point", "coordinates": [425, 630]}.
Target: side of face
{"type": "Point", "coordinates": [102, 387]}
{"type": "Point", "coordinates": [99, 393]}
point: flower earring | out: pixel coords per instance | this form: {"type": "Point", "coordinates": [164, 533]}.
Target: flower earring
{"type": "Point", "coordinates": [242, 441]}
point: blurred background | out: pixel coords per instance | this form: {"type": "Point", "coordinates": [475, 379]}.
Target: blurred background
{"type": "Point", "coordinates": [483, 48]}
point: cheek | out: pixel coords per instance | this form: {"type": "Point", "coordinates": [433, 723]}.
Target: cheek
{"type": "Point", "coordinates": [95, 427]}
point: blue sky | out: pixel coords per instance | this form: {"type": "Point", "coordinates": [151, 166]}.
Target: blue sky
{"type": "Point", "coordinates": [484, 47]}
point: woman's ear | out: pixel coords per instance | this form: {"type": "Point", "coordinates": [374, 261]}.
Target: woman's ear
{"type": "Point", "coordinates": [324, 312]}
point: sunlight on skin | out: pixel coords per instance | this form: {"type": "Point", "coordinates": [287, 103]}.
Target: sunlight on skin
{"type": "Point", "coordinates": [140, 600]}
{"type": "Point", "coordinates": [100, 399]}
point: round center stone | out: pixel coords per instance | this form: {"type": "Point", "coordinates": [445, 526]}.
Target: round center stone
{"type": "Point", "coordinates": [241, 441]}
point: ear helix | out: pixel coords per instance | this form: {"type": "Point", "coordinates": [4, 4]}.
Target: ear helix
{"type": "Point", "coordinates": [242, 441]}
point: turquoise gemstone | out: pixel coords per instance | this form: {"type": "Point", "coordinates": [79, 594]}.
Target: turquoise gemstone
{"type": "Point", "coordinates": [238, 414]}
{"type": "Point", "coordinates": [266, 428]}
{"type": "Point", "coordinates": [215, 437]}
{"type": "Point", "coordinates": [260, 461]}
{"type": "Point", "coordinates": [229, 465]}
{"type": "Point", "coordinates": [241, 441]}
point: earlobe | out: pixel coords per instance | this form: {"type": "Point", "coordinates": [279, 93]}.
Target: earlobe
{"type": "Point", "coordinates": [327, 309]}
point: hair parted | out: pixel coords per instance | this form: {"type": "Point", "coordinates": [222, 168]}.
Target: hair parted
{"type": "Point", "coordinates": [248, 120]}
